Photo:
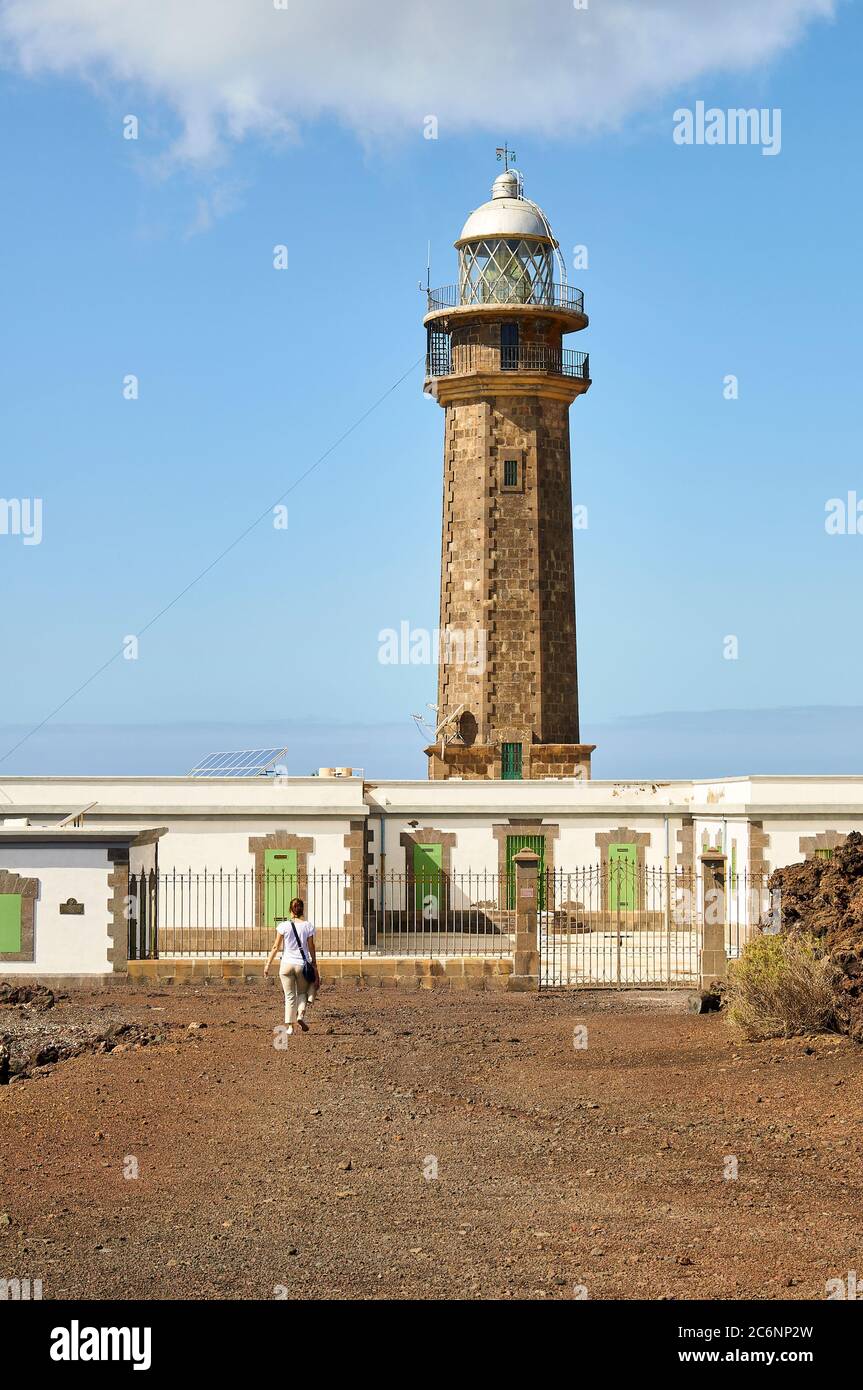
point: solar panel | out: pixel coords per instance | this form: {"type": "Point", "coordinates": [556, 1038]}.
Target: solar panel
{"type": "Point", "coordinates": [243, 762]}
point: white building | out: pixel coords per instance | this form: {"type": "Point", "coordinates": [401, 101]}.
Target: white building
{"type": "Point", "coordinates": [204, 866]}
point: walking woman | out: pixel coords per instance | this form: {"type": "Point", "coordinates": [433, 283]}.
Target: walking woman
{"type": "Point", "coordinates": [299, 968]}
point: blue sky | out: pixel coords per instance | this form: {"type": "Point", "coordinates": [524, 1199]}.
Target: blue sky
{"type": "Point", "coordinates": [706, 516]}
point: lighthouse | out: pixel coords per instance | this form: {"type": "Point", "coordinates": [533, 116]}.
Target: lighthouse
{"type": "Point", "coordinates": [496, 362]}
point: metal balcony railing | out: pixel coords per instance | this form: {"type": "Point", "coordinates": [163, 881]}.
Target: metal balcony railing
{"type": "Point", "coordinates": [447, 359]}
{"type": "Point", "coordinates": [551, 297]}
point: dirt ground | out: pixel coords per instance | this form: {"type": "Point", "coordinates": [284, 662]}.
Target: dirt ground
{"type": "Point", "coordinates": [426, 1145]}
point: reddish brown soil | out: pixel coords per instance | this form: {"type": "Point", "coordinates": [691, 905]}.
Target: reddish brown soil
{"type": "Point", "coordinates": [556, 1166]}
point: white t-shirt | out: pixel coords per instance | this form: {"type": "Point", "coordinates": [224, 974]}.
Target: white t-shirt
{"type": "Point", "coordinates": [290, 953]}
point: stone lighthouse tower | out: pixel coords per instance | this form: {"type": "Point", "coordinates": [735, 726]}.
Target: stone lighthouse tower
{"type": "Point", "coordinates": [508, 683]}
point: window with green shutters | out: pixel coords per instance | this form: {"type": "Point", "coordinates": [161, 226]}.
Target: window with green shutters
{"type": "Point", "coordinates": [10, 922]}
{"type": "Point", "coordinates": [826, 854]}
{"type": "Point", "coordinates": [510, 769]}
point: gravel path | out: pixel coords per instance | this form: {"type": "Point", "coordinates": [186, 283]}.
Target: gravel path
{"type": "Point", "coordinates": [313, 1166]}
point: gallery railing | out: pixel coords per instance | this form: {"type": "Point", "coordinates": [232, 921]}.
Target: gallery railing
{"type": "Point", "coordinates": [504, 292]}
{"type": "Point", "coordinates": [445, 358]}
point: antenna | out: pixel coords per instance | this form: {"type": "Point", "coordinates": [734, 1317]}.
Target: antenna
{"type": "Point", "coordinates": [427, 286]}
{"type": "Point", "coordinates": [432, 731]}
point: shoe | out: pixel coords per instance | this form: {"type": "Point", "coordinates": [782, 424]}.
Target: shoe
{"type": "Point", "coordinates": [289, 1029]}
{"type": "Point", "coordinates": [303, 1024]}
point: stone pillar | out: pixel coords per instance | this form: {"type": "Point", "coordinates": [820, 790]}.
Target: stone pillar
{"type": "Point", "coordinates": [714, 961]}
{"type": "Point", "coordinates": [525, 968]}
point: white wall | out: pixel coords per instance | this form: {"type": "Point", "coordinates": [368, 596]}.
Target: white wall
{"type": "Point", "coordinates": [64, 945]}
{"type": "Point", "coordinates": [224, 843]}
{"type": "Point", "coordinates": [784, 845]}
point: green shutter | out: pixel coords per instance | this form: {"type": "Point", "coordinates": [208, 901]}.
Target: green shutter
{"type": "Point", "coordinates": [622, 861]}
{"type": "Point", "coordinates": [10, 922]}
{"type": "Point", "coordinates": [428, 880]}
{"type": "Point", "coordinates": [510, 762]}
{"type": "Point", "coordinates": [280, 884]}
{"type": "Point", "coordinates": [514, 843]}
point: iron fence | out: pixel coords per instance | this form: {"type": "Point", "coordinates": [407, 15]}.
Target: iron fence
{"type": "Point", "coordinates": [233, 913]}
{"type": "Point", "coordinates": [615, 925]}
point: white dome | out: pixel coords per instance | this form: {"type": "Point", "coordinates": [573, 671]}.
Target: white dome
{"type": "Point", "coordinates": [506, 214]}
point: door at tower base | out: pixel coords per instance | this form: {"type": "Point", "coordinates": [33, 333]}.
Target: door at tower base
{"type": "Point", "coordinates": [538, 760]}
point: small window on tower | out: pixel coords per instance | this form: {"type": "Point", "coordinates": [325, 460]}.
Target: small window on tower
{"type": "Point", "coordinates": [510, 762]}
{"type": "Point", "coordinates": [512, 474]}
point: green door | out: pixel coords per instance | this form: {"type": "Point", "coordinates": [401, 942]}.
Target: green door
{"type": "Point", "coordinates": [280, 884]}
{"type": "Point", "coordinates": [514, 843]}
{"type": "Point", "coordinates": [10, 922]}
{"type": "Point", "coordinates": [428, 881]}
{"type": "Point", "coordinates": [622, 861]}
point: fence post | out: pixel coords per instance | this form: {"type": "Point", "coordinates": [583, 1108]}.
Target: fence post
{"type": "Point", "coordinates": [525, 967]}
{"type": "Point", "coordinates": [714, 960]}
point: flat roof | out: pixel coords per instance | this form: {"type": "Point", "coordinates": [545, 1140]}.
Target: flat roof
{"type": "Point", "coordinates": [70, 833]}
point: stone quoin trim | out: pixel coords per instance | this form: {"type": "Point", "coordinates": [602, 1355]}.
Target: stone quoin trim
{"type": "Point", "coordinates": [28, 890]}
{"type": "Point", "coordinates": [621, 836]}
{"type": "Point", "coordinates": [280, 839]}
{"type": "Point", "coordinates": [356, 890]}
{"type": "Point", "coordinates": [118, 917]}
{"type": "Point", "coordinates": [537, 827]}
{"type": "Point", "coordinates": [759, 842]}
{"type": "Point", "coordinates": [686, 847]}
{"type": "Point", "coordinates": [825, 839]}
{"type": "Point", "coordinates": [426, 836]}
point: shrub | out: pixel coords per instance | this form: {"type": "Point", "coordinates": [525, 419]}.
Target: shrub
{"type": "Point", "coordinates": [782, 985]}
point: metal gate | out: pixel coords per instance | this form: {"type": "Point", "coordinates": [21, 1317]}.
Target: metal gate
{"type": "Point", "coordinates": [619, 925]}
{"type": "Point", "coordinates": [143, 916]}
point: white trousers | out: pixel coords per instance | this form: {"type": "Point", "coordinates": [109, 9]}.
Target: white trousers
{"type": "Point", "coordinates": [299, 992]}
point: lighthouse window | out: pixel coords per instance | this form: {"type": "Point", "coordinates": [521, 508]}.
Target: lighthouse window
{"type": "Point", "coordinates": [510, 764]}
{"type": "Point", "coordinates": [509, 347]}
{"type": "Point", "coordinates": [510, 472]}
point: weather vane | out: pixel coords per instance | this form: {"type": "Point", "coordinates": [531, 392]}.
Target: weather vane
{"type": "Point", "coordinates": [506, 154]}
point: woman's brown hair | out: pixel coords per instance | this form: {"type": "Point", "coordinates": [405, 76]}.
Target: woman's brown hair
{"type": "Point", "coordinates": [297, 907]}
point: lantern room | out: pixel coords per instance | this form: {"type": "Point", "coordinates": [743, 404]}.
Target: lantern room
{"type": "Point", "coordinates": [506, 249]}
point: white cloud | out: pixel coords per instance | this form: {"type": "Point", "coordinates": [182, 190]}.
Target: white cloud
{"type": "Point", "coordinates": [234, 67]}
